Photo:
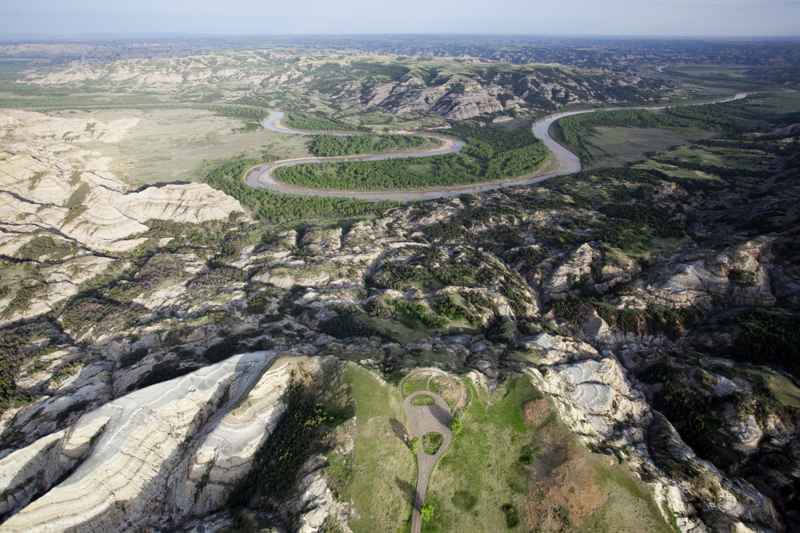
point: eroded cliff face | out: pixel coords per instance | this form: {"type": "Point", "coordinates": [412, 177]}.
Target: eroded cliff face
{"type": "Point", "coordinates": [65, 218]}
{"type": "Point", "coordinates": [158, 457]}
{"type": "Point", "coordinates": [454, 88]}
{"type": "Point", "coordinates": [665, 346]}
{"type": "Point", "coordinates": [487, 91]}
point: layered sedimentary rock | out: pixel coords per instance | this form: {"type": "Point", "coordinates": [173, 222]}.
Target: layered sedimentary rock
{"type": "Point", "coordinates": [155, 457]}
{"type": "Point", "coordinates": [64, 213]}
{"type": "Point", "coordinates": [598, 402]}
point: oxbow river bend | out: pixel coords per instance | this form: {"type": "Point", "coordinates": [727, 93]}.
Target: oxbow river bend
{"type": "Point", "coordinates": [562, 162]}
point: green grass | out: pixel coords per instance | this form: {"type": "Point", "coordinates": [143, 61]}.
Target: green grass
{"type": "Point", "coordinates": [586, 134]}
{"type": "Point", "coordinates": [480, 472]}
{"type": "Point", "coordinates": [423, 400]}
{"type": "Point", "coordinates": [378, 475]}
{"type": "Point", "coordinates": [372, 398]}
{"type": "Point", "coordinates": [359, 324]}
{"type": "Point", "coordinates": [677, 172]}
{"type": "Point", "coordinates": [616, 146]}
{"type": "Point", "coordinates": [784, 390]}
{"type": "Point", "coordinates": [507, 411]}
{"type": "Point", "coordinates": [488, 479]}
{"type": "Point", "coordinates": [414, 383]}
{"type": "Point", "coordinates": [431, 442]}
{"type": "Point", "coordinates": [630, 507]}
{"type": "Point", "coordinates": [613, 138]}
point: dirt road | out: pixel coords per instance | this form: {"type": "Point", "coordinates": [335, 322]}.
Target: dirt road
{"type": "Point", "coordinates": [424, 419]}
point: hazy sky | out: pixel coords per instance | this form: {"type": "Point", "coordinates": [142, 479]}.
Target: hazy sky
{"type": "Point", "coordinates": [592, 17]}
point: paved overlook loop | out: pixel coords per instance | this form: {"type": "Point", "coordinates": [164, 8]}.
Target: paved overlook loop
{"type": "Point", "coordinates": [562, 161]}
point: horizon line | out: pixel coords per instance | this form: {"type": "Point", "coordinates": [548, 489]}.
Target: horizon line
{"type": "Point", "coordinates": [166, 35]}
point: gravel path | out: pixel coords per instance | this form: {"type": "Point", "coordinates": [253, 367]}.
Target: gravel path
{"type": "Point", "coordinates": [561, 163]}
{"type": "Point", "coordinates": [424, 419]}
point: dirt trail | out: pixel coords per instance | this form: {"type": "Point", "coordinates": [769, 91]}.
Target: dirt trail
{"type": "Point", "coordinates": [424, 419]}
{"type": "Point", "coordinates": [562, 161]}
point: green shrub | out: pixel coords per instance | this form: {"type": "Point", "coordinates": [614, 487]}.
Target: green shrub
{"type": "Point", "coordinates": [346, 325]}
{"type": "Point", "coordinates": [464, 500]}
{"type": "Point", "coordinates": [456, 425]}
{"type": "Point", "coordinates": [315, 122]}
{"type": "Point", "coordinates": [415, 313]}
{"type": "Point", "coordinates": [431, 442]}
{"type": "Point", "coordinates": [502, 329]}
{"type": "Point", "coordinates": [423, 400]}
{"type": "Point", "coordinates": [769, 336]}
{"type": "Point", "coordinates": [742, 277]}
{"type": "Point", "coordinates": [511, 514]}
{"type": "Point", "coordinates": [427, 512]}
{"type": "Point", "coordinates": [527, 454]}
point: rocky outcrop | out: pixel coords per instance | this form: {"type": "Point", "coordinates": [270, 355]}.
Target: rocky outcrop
{"type": "Point", "coordinates": [190, 438]}
{"type": "Point", "coordinates": [598, 402]}
{"type": "Point", "coordinates": [723, 504]}
{"type": "Point", "coordinates": [486, 92]}
{"type": "Point", "coordinates": [737, 276]}
{"type": "Point", "coordinates": [64, 213]}
{"type": "Point", "coordinates": [575, 270]}
{"type": "Point", "coordinates": [225, 454]}
{"type": "Point", "coordinates": [588, 268]}
{"type": "Point", "coordinates": [30, 472]}
{"type": "Point", "coordinates": [469, 284]}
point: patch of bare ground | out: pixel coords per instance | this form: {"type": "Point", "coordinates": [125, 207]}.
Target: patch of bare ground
{"type": "Point", "coordinates": [452, 390]}
{"type": "Point", "coordinates": [536, 412]}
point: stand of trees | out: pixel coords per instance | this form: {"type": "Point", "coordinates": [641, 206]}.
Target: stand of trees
{"type": "Point", "coordinates": [490, 153]}
{"type": "Point", "coordinates": [281, 208]}
{"type": "Point", "coordinates": [329, 145]}
{"type": "Point", "coordinates": [311, 122]}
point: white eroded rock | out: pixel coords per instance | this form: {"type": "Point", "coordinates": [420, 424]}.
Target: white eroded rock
{"type": "Point", "coordinates": [157, 443]}
{"type": "Point", "coordinates": [226, 454]}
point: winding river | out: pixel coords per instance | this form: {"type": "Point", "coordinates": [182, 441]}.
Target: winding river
{"type": "Point", "coordinates": [562, 162]}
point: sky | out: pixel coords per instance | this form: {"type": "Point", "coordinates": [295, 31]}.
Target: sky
{"type": "Point", "coordinates": [532, 17]}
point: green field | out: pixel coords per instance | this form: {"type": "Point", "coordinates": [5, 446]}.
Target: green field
{"type": "Point", "coordinates": [504, 472]}
{"type": "Point", "coordinates": [718, 158]}
{"type": "Point", "coordinates": [512, 466]}
{"type": "Point", "coordinates": [616, 146]}
{"type": "Point", "coordinates": [379, 473]}
{"type": "Point", "coordinates": [615, 138]}
{"type": "Point", "coordinates": [675, 171]}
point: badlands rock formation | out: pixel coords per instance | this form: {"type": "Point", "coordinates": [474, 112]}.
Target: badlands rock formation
{"type": "Point", "coordinates": [666, 348]}
{"type": "Point", "coordinates": [600, 404]}
{"type": "Point", "coordinates": [155, 457]}
{"type": "Point", "coordinates": [451, 89]}
{"type": "Point", "coordinates": [56, 195]}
